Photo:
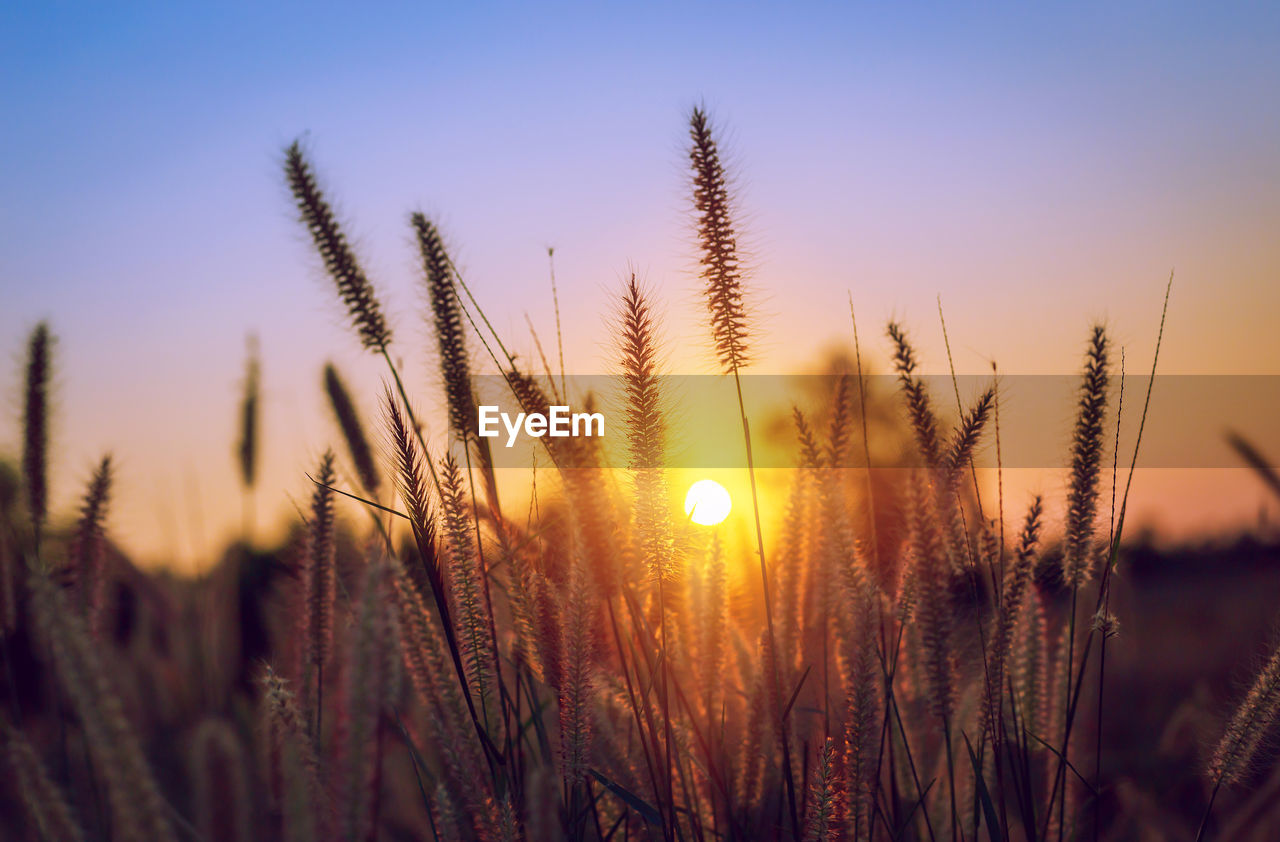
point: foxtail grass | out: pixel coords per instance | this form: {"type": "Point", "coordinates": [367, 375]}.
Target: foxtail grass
{"type": "Point", "coordinates": [1086, 464]}
{"type": "Point", "coordinates": [823, 822]}
{"type": "Point", "coordinates": [724, 291]}
{"type": "Point", "coordinates": [35, 427]}
{"type": "Point", "coordinates": [339, 259]}
{"type": "Point", "coordinates": [577, 685]}
{"type": "Point", "coordinates": [1013, 599]}
{"type": "Point", "coordinates": [248, 446]}
{"type": "Point", "coordinates": [413, 491]}
{"type": "Point", "coordinates": [372, 681]}
{"type": "Point", "coordinates": [648, 696]}
{"type": "Point", "coordinates": [88, 550]}
{"type": "Point", "coordinates": [319, 579]}
{"type": "Point", "coordinates": [44, 802]}
{"type": "Point", "coordinates": [348, 418]}
{"type": "Point", "coordinates": [1245, 736]}
{"type": "Point", "coordinates": [450, 330]}
{"type": "Point", "coordinates": [637, 350]}
{"type": "Point", "coordinates": [138, 811]}
{"type": "Point", "coordinates": [293, 770]}
{"type": "Point", "coordinates": [465, 581]}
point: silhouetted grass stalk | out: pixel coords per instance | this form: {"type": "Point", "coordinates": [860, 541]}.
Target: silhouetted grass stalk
{"type": "Point", "coordinates": [724, 292]}
{"type": "Point", "coordinates": [35, 429]}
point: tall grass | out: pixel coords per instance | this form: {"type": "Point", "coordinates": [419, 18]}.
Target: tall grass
{"type": "Point", "coordinates": [598, 668]}
{"type": "Point", "coordinates": [35, 427]}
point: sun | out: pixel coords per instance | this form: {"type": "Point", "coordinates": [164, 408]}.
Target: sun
{"type": "Point", "coordinates": [707, 502]}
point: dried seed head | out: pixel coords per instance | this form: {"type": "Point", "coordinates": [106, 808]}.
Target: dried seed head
{"type": "Point", "coordinates": [339, 259]}
{"type": "Point", "coordinates": [446, 310]}
{"type": "Point", "coordinates": [35, 444]}
{"type": "Point", "coordinates": [1086, 463]}
{"type": "Point", "coordinates": [344, 410]}
{"type": "Point", "coordinates": [247, 450]}
{"type": "Point", "coordinates": [721, 267]}
{"type": "Point", "coordinates": [87, 547]}
{"type": "Point", "coordinates": [1106, 623]}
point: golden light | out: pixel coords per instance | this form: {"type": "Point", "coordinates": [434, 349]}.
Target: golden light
{"type": "Point", "coordinates": [707, 502]}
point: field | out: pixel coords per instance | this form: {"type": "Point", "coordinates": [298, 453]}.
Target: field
{"type": "Point", "coordinates": [899, 654]}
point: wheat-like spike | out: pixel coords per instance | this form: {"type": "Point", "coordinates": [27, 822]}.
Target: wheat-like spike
{"type": "Point", "coordinates": [835, 542]}
{"type": "Point", "coordinates": [952, 538]}
{"type": "Point", "coordinates": [966, 436]}
{"type": "Point", "coordinates": [448, 821]}
{"type": "Point", "coordinates": [534, 615]}
{"type": "Point", "coordinates": [721, 267]}
{"type": "Point", "coordinates": [646, 431]}
{"type": "Point", "coordinates": [87, 548]}
{"type": "Point", "coordinates": [1012, 600]}
{"type": "Point", "coordinates": [773, 691]}
{"type": "Point", "coordinates": [714, 636]}
{"type": "Point", "coordinates": [810, 450]}
{"type": "Point", "coordinates": [46, 805]}
{"type": "Point", "coordinates": [293, 772]}
{"type": "Point", "coordinates": [247, 449]}
{"type": "Point", "coordinates": [756, 723]}
{"type": "Point", "coordinates": [219, 777]}
{"type": "Point", "coordinates": [823, 822]}
{"type": "Point", "coordinates": [339, 259]}
{"type": "Point", "coordinates": [1086, 461]}
{"type": "Point", "coordinates": [426, 667]}
{"type": "Point", "coordinates": [908, 585]}
{"type": "Point", "coordinates": [934, 607]}
{"type": "Point", "coordinates": [815, 580]}
{"type": "Point", "coordinates": [1056, 699]}
{"type": "Point", "coordinates": [547, 629]}
{"type": "Point", "coordinates": [11, 574]}
{"type": "Point", "coordinates": [1031, 664]}
{"type": "Point", "coordinates": [1244, 737]}
{"type": "Point", "coordinates": [793, 568]}
{"type": "Point", "coordinates": [420, 648]}
{"type": "Point", "coordinates": [508, 822]}
{"type": "Point", "coordinates": [637, 349]}
{"type": "Point", "coordinates": [455, 367]}
{"type": "Point", "coordinates": [344, 410]}
{"type": "Point", "coordinates": [319, 576]}
{"type": "Point", "coordinates": [578, 677]}
{"type": "Point", "coordinates": [920, 411]}
{"type": "Point", "coordinates": [840, 427]}
{"type": "Point", "coordinates": [408, 462]}
{"type": "Point", "coordinates": [413, 491]}
{"type": "Point", "coordinates": [35, 425]}
{"type": "Point", "coordinates": [138, 810]}
{"type": "Point", "coordinates": [862, 693]}
{"type": "Point", "coordinates": [372, 678]}
{"type": "Point", "coordinates": [466, 584]}
{"type": "Point", "coordinates": [450, 327]}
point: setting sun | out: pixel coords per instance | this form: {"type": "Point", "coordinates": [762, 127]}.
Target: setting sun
{"type": "Point", "coordinates": [707, 502]}
{"type": "Point", "coordinates": [351, 387]}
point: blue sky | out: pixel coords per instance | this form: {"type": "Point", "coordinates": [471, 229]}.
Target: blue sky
{"type": "Point", "coordinates": [1037, 167]}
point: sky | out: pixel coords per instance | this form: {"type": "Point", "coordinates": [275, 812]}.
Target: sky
{"type": "Point", "coordinates": [1036, 167]}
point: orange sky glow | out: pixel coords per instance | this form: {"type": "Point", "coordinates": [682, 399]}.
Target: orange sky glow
{"type": "Point", "coordinates": [1035, 174]}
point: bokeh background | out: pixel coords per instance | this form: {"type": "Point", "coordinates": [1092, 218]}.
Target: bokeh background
{"type": "Point", "coordinates": [1035, 168]}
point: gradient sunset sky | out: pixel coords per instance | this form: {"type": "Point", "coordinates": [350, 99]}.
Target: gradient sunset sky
{"type": "Point", "coordinates": [1038, 168]}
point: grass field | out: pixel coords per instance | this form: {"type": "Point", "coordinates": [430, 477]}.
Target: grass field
{"type": "Point", "coordinates": [914, 656]}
